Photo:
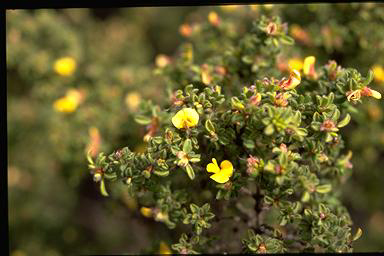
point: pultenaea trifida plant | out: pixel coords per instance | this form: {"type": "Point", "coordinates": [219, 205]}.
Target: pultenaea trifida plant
{"type": "Point", "coordinates": [241, 161]}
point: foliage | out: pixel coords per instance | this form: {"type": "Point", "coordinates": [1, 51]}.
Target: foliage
{"type": "Point", "coordinates": [294, 131]}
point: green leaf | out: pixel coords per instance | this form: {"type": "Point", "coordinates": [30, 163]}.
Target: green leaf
{"type": "Point", "coordinates": [209, 126]}
{"type": "Point", "coordinates": [187, 146]}
{"type": "Point", "coordinates": [190, 172]}
{"type": "Point", "coordinates": [369, 78]}
{"type": "Point", "coordinates": [287, 40]}
{"type": "Point", "coordinates": [161, 173]}
{"type": "Point", "coordinates": [324, 188]}
{"type": "Point", "coordinates": [247, 59]}
{"type": "Point", "coordinates": [194, 160]}
{"type": "Point", "coordinates": [143, 120]}
{"type": "Point", "coordinates": [102, 188]}
{"type": "Point", "coordinates": [249, 144]}
{"type": "Point", "coordinates": [306, 196]}
{"type": "Point", "coordinates": [345, 121]}
{"type": "Point", "coordinates": [194, 208]}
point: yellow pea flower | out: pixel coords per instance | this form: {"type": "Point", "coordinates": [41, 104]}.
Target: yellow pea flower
{"type": "Point", "coordinates": [65, 66]}
{"type": "Point", "coordinates": [295, 63]}
{"type": "Point", "coordinates": [185, 118]}
{"type": "Point", "coordinates": [95, 141]}
{"type": "Point", "coordinates": [162, 60]}
{"type": "Point", "coordinates": [146, 212]}
{"type": "Point", "coordinates": [293, 80]}
{"type": "Point", "coordinates": [132, 101]}
{"type": "Point", "coordinates": [222, 173]}
{"type": "Point", "coordinates": [74, 95]}
{"type": "Point", "coordinates": [164, 248]}
{"type": "Point", "coordinates": [366, 91]}
{"type": "Point", "coordinates": [213, 18]}
{"type": "Point", "coordinates": [65, 105]}
{"type": "Point", "coordinates": [69, 102]}
{"type": "Point", "coordinates": [309, 67]}
{"type": "Point", "coordinates": [378, 73]}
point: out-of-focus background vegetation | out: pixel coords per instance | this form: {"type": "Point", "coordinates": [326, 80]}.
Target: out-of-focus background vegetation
{"type": "Point", "coordinates": [54, 206]}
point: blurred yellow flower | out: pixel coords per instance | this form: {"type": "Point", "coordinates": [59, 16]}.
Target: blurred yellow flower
{"type": "Point", "coordinates": [213, 18]}
{"type": "Point", "coordinates": [65, 66]}
{"type": "Point", "coordinates": [378, 73]}
{"type": "Point", "coordinates": [185, 118]}
{"type": "Point", "coordinates": [309, 67]}
{"type": "Point", "coordinates": [206, 77]}
{"type": "Point", "coordinates": [222, 173]}
{"type": "Point", "coordinates": [295, 63]}
{"type": "Point", "coordinates": [132, 101]}
{"type": "Point", "coordinates": [95, 141]}
{"type": "Point", "coordinates": [162, 60]}
{"type": "Point", "coordinates": [64, 105]}
{"type": "Point", "coordinates": [146, 212]}
{"type": "Point", "coordinates": [164, 248]}
{"type": "Point", "coordinates": [69, 102]}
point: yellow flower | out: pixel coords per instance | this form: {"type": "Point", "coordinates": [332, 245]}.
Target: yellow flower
{"type": "Point", "coordinates": [146, 212]}
{"type": "Point", "coordinates": [69, 102]}
{"type": "Point", "coordinates": [132, 101]}
{"type": "Point", "coordinates": [378, 73]}
{"type": "Point", "coordinates": [222, 173]}
{"type": "Point", "coordinates": [65, 66]}
{"type": "Point", "coordinates": [162, 60]}
{"type": "Point", "coordinates": [164, 248]}
{"type": "Point", "coordinates": [213, 18]}
{"type": "Point", "coordinates": [295, 63]}
{"type": "Point", "coordinates": [185, 118]}
{"type": "Point", "coordinates": [293, 80]}
{"type": "Point", "coordinates": [309, 66]}
{"type": "Point", "coordinates": [366, 91]}
{"type": "Point", "coordinates": [95, 141]}
{"type": "Point", "coordinates": [74, 95]}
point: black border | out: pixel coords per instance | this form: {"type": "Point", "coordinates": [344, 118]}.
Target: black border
{"type": "Point", "coordinates": [32, 4]}
{"type": "Point", "coordinates": [53, 4]}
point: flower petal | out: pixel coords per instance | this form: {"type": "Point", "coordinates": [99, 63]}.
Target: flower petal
{"type": "Point", "coordinates": [309, 63]}
{"type": "Point", "coordinates": [178, 119]}
{"type": "Point", "coordinates": [227, 171]}
{"type": "Point", "coordinates": [213, 167]}
{"type": "Point", "coordinates": [226, 165]}
{"type": "Point", "coordinates": [220, 177]}
{"type": "Point", "coordinates": [191, 116]}
{"type": "Point", "coordinates": [376, 94]}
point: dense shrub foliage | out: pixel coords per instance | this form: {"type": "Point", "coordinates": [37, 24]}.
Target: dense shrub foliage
{"type": "Point", "coordinates": [282, 159]}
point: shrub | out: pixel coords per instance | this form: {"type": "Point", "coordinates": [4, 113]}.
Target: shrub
{"type": "Point", "coordinates": [240, 159]}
